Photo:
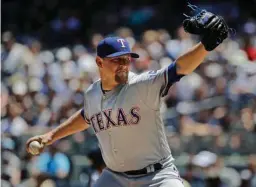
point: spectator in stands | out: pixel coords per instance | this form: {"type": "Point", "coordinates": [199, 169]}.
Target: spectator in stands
{"type": "Point", "coordinates": [97, 165]}
{"type": "Point", "coordinates": [14, 55]}
{"type": "Point", "coordinates": [54, 164]}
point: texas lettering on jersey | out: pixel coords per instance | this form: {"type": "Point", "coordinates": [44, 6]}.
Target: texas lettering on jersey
{"type": "Point", "coordinates": [105, 119]}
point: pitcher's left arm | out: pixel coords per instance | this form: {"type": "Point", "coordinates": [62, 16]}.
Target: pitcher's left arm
{"type": "Point", "coordinates": [212, 30]}
{"type": "Point", "coordinates": [189, 61]}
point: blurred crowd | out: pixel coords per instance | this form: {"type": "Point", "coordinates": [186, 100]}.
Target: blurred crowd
{"type": "Point", "coordinates": [210, 115]}
{"type": "Point", "coordinates": [212, 109]}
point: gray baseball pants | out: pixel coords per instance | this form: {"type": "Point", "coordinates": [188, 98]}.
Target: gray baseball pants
{"type": "Point", "coordinates": [168, 176]}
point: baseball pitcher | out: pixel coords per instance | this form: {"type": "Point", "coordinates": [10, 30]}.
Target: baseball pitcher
{"type": "Point", "coordinates": [123, 108]}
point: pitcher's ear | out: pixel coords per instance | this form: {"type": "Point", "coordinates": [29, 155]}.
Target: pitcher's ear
{"type": "Point", "coordinates": [99, 61]}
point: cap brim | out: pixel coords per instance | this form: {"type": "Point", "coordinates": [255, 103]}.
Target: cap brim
{"type": "Point", "coordinates": [133, 55]}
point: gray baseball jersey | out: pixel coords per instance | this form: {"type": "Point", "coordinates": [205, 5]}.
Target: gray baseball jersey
{"type": "Point", "coordinates": [127, 120]}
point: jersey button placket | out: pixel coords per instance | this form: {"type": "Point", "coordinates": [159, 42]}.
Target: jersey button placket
{"type": "Point", "coordinates": [115, 152]}
{"type": "Point", "coordinates": [108, 131]}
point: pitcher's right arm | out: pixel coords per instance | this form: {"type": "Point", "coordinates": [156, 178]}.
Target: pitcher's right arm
{"type": "Point", "coordinates": [76, 123]}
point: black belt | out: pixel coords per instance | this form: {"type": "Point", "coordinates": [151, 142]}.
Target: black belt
{"type": "Point", "coordinates": [146, 170]}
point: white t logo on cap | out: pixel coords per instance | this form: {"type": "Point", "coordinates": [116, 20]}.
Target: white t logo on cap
{"type": "Point", "coordinates": [122, 42]}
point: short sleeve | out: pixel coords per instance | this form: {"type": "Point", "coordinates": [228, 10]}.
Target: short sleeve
{"type": "Point", "coordinates": [85, 116]}
{"type": "Point", "coordinates": [84, 113]}
{"type": "Point", "coordinates": [153, 85]}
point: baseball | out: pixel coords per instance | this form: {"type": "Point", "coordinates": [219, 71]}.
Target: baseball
{"type": "Point", "coordinates": [34, 147]}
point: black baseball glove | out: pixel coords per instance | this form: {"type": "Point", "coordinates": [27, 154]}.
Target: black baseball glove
{"type": "Point", "coordinates": [212, 28]}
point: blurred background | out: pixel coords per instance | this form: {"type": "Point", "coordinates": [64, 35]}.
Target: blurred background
{"type": "Point", "coordinates": [47, 61]}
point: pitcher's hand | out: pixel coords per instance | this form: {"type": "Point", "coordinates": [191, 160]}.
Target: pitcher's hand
{"type": "Point", "coordinates": [44, 140]}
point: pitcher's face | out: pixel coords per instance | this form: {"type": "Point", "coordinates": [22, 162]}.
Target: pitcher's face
{"type": "Point", "coordinates": [118, 68]}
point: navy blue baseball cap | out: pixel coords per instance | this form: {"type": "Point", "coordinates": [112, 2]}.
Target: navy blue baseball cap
{"type": "Point", "coordinates": [113, 47]}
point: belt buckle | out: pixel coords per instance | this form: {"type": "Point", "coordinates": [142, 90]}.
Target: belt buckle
{"type": "Point", "coordinates": [150, 169]}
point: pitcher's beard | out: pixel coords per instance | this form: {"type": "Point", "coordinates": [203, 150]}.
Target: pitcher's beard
{"type": "Point", "coordinates": [121, 77]}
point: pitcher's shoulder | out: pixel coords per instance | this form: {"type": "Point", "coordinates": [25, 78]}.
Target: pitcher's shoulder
{"type": "Point", "coordinates": [137, 78]}
{"type": "Point", "coordinates": [132, 77]}
{"type": "Point", "coordinates": [94, 87]}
